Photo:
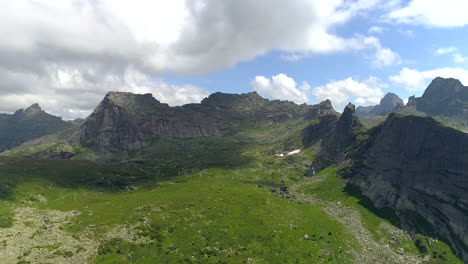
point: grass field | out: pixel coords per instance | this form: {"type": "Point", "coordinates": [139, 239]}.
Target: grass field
{"type": "Point", "coordinates": [202, 200]}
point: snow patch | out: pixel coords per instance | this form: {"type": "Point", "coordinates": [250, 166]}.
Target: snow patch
{"type": "Point", "coordinates": [289, 153]}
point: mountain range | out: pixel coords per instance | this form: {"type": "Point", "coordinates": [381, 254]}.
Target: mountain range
{"type": "Point", "coordinates": [410, 164]}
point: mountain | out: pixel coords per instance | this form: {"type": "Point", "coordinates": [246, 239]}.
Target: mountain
{"type": "Point", "coordinates": [27, 124]}
{"type": "Point", "coordinates": [387, 105]}
{"type": "Point", "coordinates": [124, 122]}
{"type": "Point", "coordinates": [443, 97]}
{"type": "Point", "coordinates": [416, 165]}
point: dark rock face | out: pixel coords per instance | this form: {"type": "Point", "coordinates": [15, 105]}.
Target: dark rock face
{"type": "Point", "coordinates": [444, 97]}
{"type": "Point", "coordinates": [342, 136]}
{"type": "Point", "coordinates": [322, 109]}
{"type": "Point", "coordinates": [387, 104]}
{"type": "Point", "coordinates": [125, 121]}
{"type": "Point", "coordinates": [27, 124]}
{"type": "Point", "coordinates": [414, 163]}
{"type": "Point", "coordinates": [318, 129]}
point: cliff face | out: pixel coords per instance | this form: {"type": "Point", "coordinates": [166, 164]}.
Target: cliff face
{"type": "Point", "coordinates": [125, 121]}
{"type": "Point", "coordinates": [415, 163]}
{"type": "Point", "coordinates": [338, 139]}
{"type": "Point", "coordinates": [27, 124]}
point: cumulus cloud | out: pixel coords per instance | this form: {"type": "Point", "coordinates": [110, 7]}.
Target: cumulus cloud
{"type": "Point", "coordinates": [414, 80]}
{"type": "Point", "coordinates": [281, 87]}
{"type": "Point", "coordinates": [349, 90]}
{"type": "Point", "coordinates": [94, 44]}
{"type": "Point", "coordinates": [446, 50]}
{"type": "Point", "coordinates": [72, 93]}
{"type": "Point", "coordinates": [383, 56]}
{"type": "Point", "coordinates": [376, 30]}
{"type": "Point", "coordinates": [436, 13]}
{"type": "Point", "coordinates": [457, 56]}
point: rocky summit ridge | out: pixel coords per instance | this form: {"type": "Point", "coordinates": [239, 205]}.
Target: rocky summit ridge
{"type": "Point", "coordinates": [443, 96]}
{"type": "Point", "coordinates": [125, 121]}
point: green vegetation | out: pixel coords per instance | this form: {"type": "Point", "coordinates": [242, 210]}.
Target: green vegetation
{"type": "Point", "coordinates": [199, 200]}
{"type": "Point", "coordinates": [332, 188]}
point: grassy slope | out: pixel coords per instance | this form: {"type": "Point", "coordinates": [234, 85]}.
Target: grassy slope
{"type": "Point", "coordinates": [220, 209]}
{"type": "Point", "coordinates": [332, 188]}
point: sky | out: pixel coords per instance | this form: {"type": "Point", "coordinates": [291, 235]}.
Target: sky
{"type": "Point", "coordinates": [67, 54]}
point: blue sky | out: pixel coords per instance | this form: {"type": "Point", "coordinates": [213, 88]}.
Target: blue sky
{"type": "Point", "coordinates": [67, 54]}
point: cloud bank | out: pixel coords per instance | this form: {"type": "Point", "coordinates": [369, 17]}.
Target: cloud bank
{"type": "Point", "coordinates": [66, 54]}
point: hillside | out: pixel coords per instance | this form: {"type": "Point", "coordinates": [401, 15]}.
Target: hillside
{"type": "Point", "coordinates": [418, 167]}
{"type": "Point", "coordinates": [28, 124]}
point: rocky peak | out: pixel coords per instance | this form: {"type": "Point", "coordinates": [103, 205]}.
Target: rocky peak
{"type": "Point", "coordinates": [444, 97]}
{"type": "Point", "coordinates": [342, 136]}
{"type": "Point", "coordinates": [250, 100]}
{"type": "Point", "coordinates": [132, 102]}
{"type": "Point", "coordinates": [387, 104]}
{"type": "Point", "coordinates": [348, 122]}
{"type": "Point", "coordinates": [322, 109]}
{"type": "Point", "coordinates": [29, 112]}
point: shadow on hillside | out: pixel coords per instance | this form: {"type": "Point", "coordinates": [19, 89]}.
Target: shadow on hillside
{"type": "Point", "coordinates": [410, 221]}
{"type": "Point", "coordinates": [164, 159]}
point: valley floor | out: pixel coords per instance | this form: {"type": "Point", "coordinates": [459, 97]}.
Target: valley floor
{"type": "Point", "coordinates": [261, 211]}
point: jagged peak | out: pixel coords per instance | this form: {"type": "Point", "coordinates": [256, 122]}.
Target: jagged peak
{"type": "Point", "coordinates": [348, 119]}
{"type": "Point", "coordinates": [131, 101]}
{"type": "Point", "coordinates": [323, 108]}
{"type": "Point", "coordinates": [33, 108]}
{"type": "Point", "coordinates": [226, 99]}
{"type": "Point", "coordinates": [31, 111]}
{"type": "Point", "coordinates": [440, 84]}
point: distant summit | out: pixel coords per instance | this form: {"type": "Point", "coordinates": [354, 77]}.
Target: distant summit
{"type": "Point", "coordinates": [387, 105]}
{"type": "Point", "coordinates": [27, 124]}
{"type": "Point", "coordinates": [443, 97]}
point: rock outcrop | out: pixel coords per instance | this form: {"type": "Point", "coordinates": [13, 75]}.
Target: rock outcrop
{"type": "Point", "coordinates": [343, 135]}
{"type": "Point", "coordinates": [27, 124]}
{"type": "Point", "coordinates": [416, 164]}
{"type": "Point", "coordinates": [444, 97]}
{"type": "Point", "coordinates": [125, 121]}
{"type": "Point", "coordinates": [323, 120]}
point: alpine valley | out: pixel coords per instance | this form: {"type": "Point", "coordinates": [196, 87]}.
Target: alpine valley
{"type": "Point", "coordinates": [238, 178]}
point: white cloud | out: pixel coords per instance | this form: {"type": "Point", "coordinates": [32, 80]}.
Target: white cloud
{"type": "Point", "coordinates": [281, 87]}
{"type": "Point", "coordinates": [91, 45]}
{"type": "Point", "coordinates": [436, 13]}
{"type": "Point", "coordinates": [457, 57]}
{"type": "Point", "coordinates": [349, 90]}
{"type": "Point", "coordinates": [415, 80]}
{"type": "Point", "coordinates": [446, 50]}
{"type": "Point", "coordinates": [72, 93]}
{"type": "Point", "coordinates": [383, 56]}
{"type": "Point", "coordinates": [376, 30]}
